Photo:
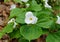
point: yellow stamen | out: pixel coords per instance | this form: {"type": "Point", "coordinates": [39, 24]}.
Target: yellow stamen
{"type": "Point", "coordinates": [30, 18]}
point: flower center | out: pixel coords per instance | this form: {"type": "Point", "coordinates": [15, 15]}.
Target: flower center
{"type": "Point", "coordinates": [30, 18]}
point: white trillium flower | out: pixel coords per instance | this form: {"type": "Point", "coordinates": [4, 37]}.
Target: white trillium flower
{"type": "Point", "coordinates": [24, 0]}
{"type": "Point", "coordinates": [58, 20]}
{"type": "Point", "coordinates": [13, 20]}
{"type": "Point", "coordinates": [30, 18]}
{"type": "Point", "coordinates": [13, 6]}
{"type": "Point", "coordinates": [47, 5]}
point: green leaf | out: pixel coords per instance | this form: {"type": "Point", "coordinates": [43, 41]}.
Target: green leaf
{"type": "Point", "coordinates": [53, 37]}
{"type": "Point", "coordinates": [44, 19]}
{"type": "Point", "coordinates": [43, 14]}
{"type": "Point", "coordinates": [19, 14]}
{"type": "Point", "coordinates": [53, 26]}
{"type": "Point", "coordinates": [31, 32]}
{"type": "Point", "coordinates": [15, 12]}
{"type": "Point", "coordinates": [6, 0]}
{"type": "Point", "coordinates": [21, 17]}
{"type": "Point", "coordinates": [15, 34]}
{"type": "Point", "coordinates": [34, 6]}
{"type": "Point", "coordinates": [45, 24]}
{"type": "Point", "coordinates": [8, 28]}
{"type": "Point", "coordinates": [1, 34]}
{"type": "Point", "coordinates": [17, 1]}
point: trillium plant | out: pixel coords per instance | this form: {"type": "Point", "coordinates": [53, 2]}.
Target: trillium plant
{"type": "Point", "coordinates": [32, 19]}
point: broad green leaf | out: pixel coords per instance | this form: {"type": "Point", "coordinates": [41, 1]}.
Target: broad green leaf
{"type": "Point", "coordinates": [21, 17]}
{"type": "Point", "coordinates": [44, 19]}
{"type": "Point", "coordinates": [53, 37]}
{"type": "Point", "coordinates": [19, 14]}
{"type": "Point", "coordinates": [17, 1]}
{"type": "Point", "coordinates": [8, 28]}
{"type": "Point", "coordinates": [45, 24]}
{"type": "Point", "coordinates": [15, 34]}
{"type": "Point", "coordinates": [43, 14]}
{"type": "Point", "coordinates": [31, 32]}
{"type": "Point", "coordinates": [34, 6]}
{"type": "Point", "coordinates": [15, 12]}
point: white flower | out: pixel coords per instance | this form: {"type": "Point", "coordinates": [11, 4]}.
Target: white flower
{"type": "Point", "coordinates": [13, 6]}
{"type": "Point", "coordinates": [47, 5]}
{"type": "Point", "coordinates": [24, 0]}
{"type": "Point", "coordinates": [14, 24]}
{"type": "Point", "coordinates": [30, 18]}
{"type": "Point", "coordinates": [27, 5]}
{"type": "Point", "coordinates": [13, 20]}
{"type": "Point", "coordinates": [58, 20]}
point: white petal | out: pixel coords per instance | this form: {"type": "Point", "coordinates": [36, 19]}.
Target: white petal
{"type": "Point", "coordinates": [13, 6]}
{"type": "Point", "coordinates": [28, 14]}
{"type": "Point", "coordinates": [24, 0]}
{"type": "Point", "coordinates": [27, 20]}
{"type": "Point", "coordinates": [57, 16]}
{"type": "Point", "coordinates": [12, 20]}
{"type": "Point", "coordinates": [34, 20]}
{"type": "Point", "coordinates": [58, 20]}
{"type": "Point", "coordinates": [47, 5]}
{"type": "Point", "coordinates": [14, 24]}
